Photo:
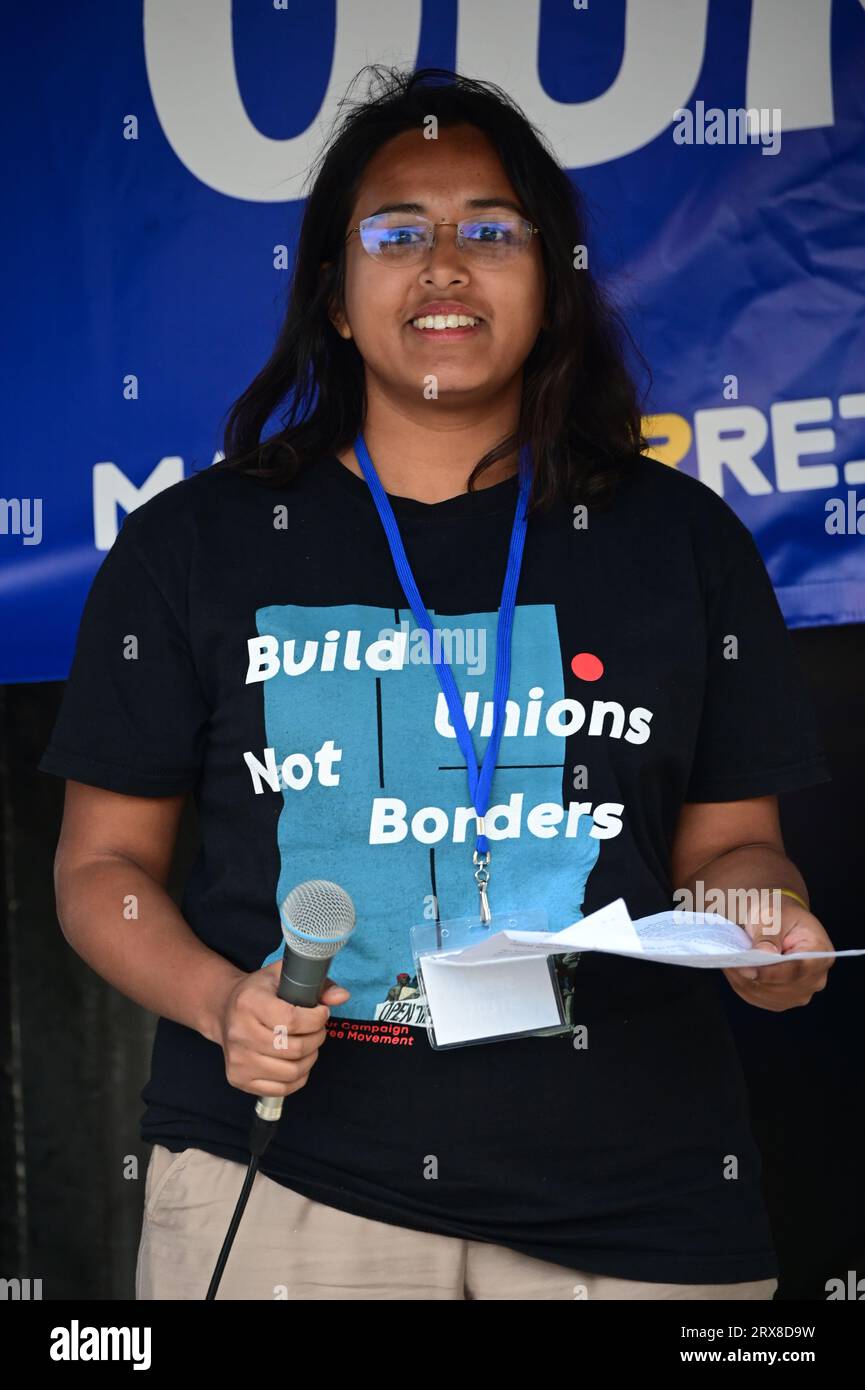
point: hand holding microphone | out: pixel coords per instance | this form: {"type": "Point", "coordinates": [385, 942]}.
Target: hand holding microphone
{"type": "Point", "coordinates": [271, 1043]}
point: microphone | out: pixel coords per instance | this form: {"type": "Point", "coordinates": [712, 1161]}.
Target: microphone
{"type": "Point", "coordinates": [318, 917]}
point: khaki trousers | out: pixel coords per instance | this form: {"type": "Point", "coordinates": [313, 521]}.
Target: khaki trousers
{"type": "Point", "coordinates": [290, 1247]}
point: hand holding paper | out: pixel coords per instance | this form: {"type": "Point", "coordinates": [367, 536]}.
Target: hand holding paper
{"type": "Point", "coordinates": [803, 957]}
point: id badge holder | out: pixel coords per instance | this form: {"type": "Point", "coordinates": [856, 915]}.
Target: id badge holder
{"type": "Point", "coordinates": [491, 1001]}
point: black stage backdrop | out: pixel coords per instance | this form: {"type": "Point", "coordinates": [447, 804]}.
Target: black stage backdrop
{"type": "Point", "coordinates": [76, 1052]}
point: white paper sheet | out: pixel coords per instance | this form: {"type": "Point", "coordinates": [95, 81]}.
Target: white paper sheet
{"type": "Point", "coordinates": [705, 940]}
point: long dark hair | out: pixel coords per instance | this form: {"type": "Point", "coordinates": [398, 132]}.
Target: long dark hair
{"type": "Point", "coordinates": [579, 413]}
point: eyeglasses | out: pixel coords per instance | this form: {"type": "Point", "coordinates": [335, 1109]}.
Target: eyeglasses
{"type": "Point", "coordinates": [393, 239]}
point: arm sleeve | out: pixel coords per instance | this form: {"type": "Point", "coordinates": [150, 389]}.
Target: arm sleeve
{"type": "Point", "coordinates": [758, 731]}
{"type": "Point", "coordinates": [133, 717]}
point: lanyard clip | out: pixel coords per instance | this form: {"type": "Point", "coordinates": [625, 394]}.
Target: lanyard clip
{"type": "Point", "coordinates": [482, 878]}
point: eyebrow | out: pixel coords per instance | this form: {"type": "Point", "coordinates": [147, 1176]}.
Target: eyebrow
{"type": "Point", "coordinates": [477, 203]}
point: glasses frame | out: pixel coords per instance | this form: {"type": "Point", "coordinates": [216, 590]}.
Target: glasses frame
{"type": "Point", "coordinates": [442, 222]}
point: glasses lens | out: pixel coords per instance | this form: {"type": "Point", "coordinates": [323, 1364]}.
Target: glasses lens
{"type": "Point", "coordinates": [494, 242]}
{"type": "Point", "coordinates": [394, 238]}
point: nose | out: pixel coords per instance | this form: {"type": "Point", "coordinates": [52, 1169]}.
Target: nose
{"type": "Point", "coordinates": [445, 263]}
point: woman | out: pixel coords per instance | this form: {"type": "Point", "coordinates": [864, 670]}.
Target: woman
{"type": "Point", "coordinates": [655, 711]}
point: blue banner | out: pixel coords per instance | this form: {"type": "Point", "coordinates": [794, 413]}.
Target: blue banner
{"type": "Point", "coordinates": [156, 187]}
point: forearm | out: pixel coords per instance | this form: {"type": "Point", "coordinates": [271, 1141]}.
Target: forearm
{"type": "Point", "coordinates": [746, 870]}
{"type": "Point", "coordinates": [129, 930]}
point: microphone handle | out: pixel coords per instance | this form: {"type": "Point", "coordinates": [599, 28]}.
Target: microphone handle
{"type": "Point", "coordinates": [300, 982]}
{"type": "Point", "coordinates": [301, 978]}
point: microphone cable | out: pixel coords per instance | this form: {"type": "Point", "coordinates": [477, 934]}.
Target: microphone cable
{"type": "Point", "coordinates": [260, 1136]}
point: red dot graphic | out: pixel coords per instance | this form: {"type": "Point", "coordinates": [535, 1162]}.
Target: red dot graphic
{"type": "Point", "coordinates": [587, 667]}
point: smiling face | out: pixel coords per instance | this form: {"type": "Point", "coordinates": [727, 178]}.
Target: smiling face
{"type": "Point", "coordinates": [440, 178]}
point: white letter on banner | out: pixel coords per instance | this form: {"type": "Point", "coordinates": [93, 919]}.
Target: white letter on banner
{"type": "Point", "coordinates": [714, 453]}
{"type": "Point", "coordinates": [790, 445]}
{"type": "Point", "coordinates": [852, 407]}
{"type": "Point", "coordinates": [789, 61]}
{"type": "Point", "coordinates": [112, 489]}
{"type": "Point", "coordinates": [189, 55]}
{"type": "Point", "coordinates": [663, 38]}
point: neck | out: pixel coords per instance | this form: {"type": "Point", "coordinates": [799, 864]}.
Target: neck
{"type": "Point", "coordinates": [427, 451]}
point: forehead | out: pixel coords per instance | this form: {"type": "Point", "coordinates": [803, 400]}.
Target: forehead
{"type": "Point", "coordinates": [460, 165]}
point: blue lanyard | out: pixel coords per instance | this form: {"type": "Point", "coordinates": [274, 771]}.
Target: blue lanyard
{"type": "Point", "coordinates": [480, 783]}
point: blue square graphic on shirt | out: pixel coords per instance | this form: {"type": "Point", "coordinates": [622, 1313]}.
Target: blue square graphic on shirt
{"type": "Point", "coordinates": [385, 743]}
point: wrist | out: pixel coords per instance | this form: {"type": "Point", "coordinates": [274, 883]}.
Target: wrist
{"type": "Point", "coordinates": [213, 1000]}
{"type": "Point", "coordinates": [789, 893]}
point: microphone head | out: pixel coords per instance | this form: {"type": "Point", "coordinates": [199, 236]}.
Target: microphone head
{"type": "Point", "coordinates": [317, 919]}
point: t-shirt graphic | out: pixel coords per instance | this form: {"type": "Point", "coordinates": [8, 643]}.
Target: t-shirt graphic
{"type": "Point", "coordinates": [375, 772]}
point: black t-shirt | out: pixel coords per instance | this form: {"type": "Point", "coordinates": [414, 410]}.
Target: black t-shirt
{"type": "Point", "coordinates": [650, 666]}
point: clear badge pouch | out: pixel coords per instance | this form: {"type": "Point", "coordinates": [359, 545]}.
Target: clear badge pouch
{"type": "Point", "coordinates": [517, 997]}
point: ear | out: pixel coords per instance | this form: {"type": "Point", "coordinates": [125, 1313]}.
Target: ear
{"type": "Point", "coordinates": [337, 318]}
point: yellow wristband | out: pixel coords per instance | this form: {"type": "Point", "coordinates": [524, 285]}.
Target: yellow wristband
{"type": "Point", "coordinates": [790, 894]}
